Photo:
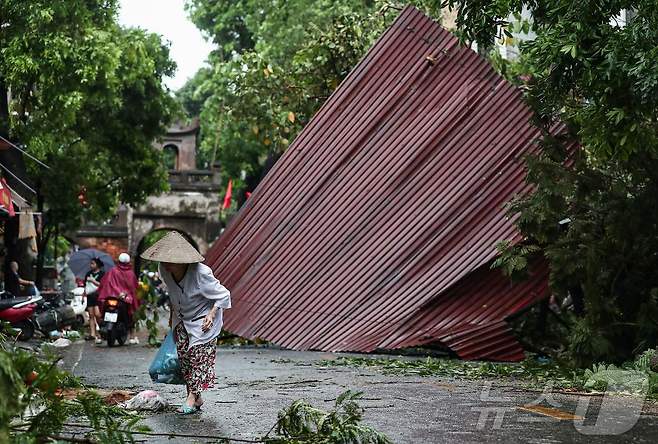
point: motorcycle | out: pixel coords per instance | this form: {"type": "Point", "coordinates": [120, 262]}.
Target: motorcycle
{"type": "Point", "coordinates": [116, 321]}
{"type": "Point", "coordinates": [78, 302]}
{"type": "Point", "coordinates": [18, 311]}
{"type": "Point", "coordinates": [53, 313]}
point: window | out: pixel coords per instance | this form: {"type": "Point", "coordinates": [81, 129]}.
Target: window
{"type": "Point", "coordinates": [170, 155]}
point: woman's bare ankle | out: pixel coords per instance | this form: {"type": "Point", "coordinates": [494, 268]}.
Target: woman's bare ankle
{"type": "Point", "coordinates": [191, 399]}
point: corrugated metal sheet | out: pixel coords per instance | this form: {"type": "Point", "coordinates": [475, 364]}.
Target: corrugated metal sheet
{"type": "Point", "coordinates": [377, 227]}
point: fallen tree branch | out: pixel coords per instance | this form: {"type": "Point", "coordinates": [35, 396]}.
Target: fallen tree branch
{"type": "Point", "coordinates": [178, 435]}
{"type": "Point", "coordinates": [72, 439]}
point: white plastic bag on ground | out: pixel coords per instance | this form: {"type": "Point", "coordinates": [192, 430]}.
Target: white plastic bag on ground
{"type": "Point", "coordinates": [61, 343]}
{"type": "Point", "coordinates": [146, 400]}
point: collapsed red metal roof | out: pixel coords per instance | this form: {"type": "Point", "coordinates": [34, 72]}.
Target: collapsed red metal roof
{"type": "Point", "coordinates": [377, 228]}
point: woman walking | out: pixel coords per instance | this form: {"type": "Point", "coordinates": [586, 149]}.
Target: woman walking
{"type": "Point", "coordinates": [197, 299]}
{"type": "Point", "coordinates": [92, 282]}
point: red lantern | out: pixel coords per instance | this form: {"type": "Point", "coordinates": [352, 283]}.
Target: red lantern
{"type": "Point", "coordinates": [82, 196]}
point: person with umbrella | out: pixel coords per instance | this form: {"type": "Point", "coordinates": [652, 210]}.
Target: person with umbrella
{"type": "Point", "coordinates": [89, 265]}
{"type": "Point", "coordinates": [92, 282]}
{"type": "Point", "coordinates": [197, 299]}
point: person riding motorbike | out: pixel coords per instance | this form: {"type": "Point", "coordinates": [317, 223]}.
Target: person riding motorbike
{"type": "Point", "coordinates": [121, 282]}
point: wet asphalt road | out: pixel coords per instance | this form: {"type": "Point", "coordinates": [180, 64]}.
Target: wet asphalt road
{"type": "Point", "coordinates": [255, 383]}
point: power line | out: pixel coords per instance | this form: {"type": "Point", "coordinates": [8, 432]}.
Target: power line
{"type": "Point", "coordinates": [16, 177]}
{"type": "Point", "coordinates": [25, 152]}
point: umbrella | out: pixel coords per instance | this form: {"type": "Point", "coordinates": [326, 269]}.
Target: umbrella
{"type": "Point", "coordinates": [79, 261]}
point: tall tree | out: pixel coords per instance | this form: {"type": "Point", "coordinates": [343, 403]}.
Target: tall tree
{"type": "Point", "coordinates": [277, 63]}
{"type": "Point", "coordinates": [193, 94]}
{"type": "Point", "coordinates": [597, 74]}
{"type": "Point", "coordinates": [86, 96]}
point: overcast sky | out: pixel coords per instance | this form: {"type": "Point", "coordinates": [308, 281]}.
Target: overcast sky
{"type": "Point", "coordinates": [169, 19]}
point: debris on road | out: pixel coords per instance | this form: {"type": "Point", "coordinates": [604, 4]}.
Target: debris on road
{"type": "Point", "coordinates": [110, 397]}
{"type": "Point", "coordinates": [114, 397]}
{"type": "Point", "coordinates": [61, 343]}
{"type": "Point", "coordinates": [147, 400]}
{"type": "Point", "coordinates": [551, 412]}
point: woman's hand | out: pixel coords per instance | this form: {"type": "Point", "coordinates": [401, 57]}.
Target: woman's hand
{"type": "Point", "coordinates": [209, 319]}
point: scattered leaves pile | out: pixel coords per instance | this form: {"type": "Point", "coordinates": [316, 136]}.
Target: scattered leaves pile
{"type": "Point", "coordinates": [532, 371]}
{"type": "Point", "coordinates": [33, 407]}
{"type": "Point", "coordinates": [302, 423]}
{"type": "Point", "coordinates": [42, 403]}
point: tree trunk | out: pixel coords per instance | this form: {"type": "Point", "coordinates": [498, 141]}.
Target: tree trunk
{"type": "Point", "coordinates": [4, 110]}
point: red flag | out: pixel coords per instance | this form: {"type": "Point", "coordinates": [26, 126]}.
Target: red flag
{"type": "Point", "coordinates": [227, 197]}
{"type": "Point", "coordinates": [5, 198]}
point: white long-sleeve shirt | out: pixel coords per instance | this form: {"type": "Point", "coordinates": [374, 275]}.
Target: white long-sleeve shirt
{"type": "Point", "coordinates": [192, 299]}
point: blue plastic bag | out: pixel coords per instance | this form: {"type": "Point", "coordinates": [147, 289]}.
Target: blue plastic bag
{"type": "Point", "coordinates": [165, 367]}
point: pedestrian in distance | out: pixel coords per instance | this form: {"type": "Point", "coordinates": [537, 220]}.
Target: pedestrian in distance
{"type": "Point", "coordinates": [92, 283]}
{"type": "Point", "coordinates": [197, 300]}
{"type": "Point", "coordinates": [14, 281]}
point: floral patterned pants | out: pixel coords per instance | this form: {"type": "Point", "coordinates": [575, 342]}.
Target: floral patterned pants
{"type": "Point", "coordinates": [197, 363]}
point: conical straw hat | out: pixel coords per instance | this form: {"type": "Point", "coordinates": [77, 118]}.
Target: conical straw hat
{"type": "Point", "coordinates": [172, 248]}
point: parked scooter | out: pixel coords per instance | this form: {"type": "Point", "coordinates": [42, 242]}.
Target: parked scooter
{"type": "Point", "coordinates": [53, 314]}
{"type": "Point", "coordinates": [116, 321]}
{"type": "Point", "coordinates": [18, 311]}
{"type": "Point", "coordinates": [78, 302]}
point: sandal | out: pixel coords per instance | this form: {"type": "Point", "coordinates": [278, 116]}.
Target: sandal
{"type": "Point", "coordinates": [187, 410]}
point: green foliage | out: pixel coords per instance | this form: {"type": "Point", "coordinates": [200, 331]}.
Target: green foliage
{"type": "Point", "coordinates": [194, 93]}
{"type": "Point", "coordinates": [12, 388]}
{"type": "Point", "coordinates": [277, 64]}
{"type": "Point", "coordinates": [593, 86]}
{"type": "Point", "coordinates": [633, 376]}
{"type": "Point", "coordinates": [514, 259]}
{"type": "Point", "coordinates": [147, 313]}
{"type": "Point", "coordinates": [275, 29]}
{"type": "Point", "coordinates": [86, 98]}
{"type": "Point", "coordinates": [32, 408]}
{"type": "Point", "coordinates": [110, 424]}
{"type": "Point", "coordinates": [302, 423]}
{"type": "Point", "coordinates": [58, 244]}
{"type": "Point", "coordinates": [532, 371]}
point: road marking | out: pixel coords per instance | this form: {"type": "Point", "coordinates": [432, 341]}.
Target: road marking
{"type": "Point", "coordinates": [79, 359]}
{"type": "Point", "coordinates": [550, 411]}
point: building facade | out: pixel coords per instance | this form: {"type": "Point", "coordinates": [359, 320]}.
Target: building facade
{"type": "Point", "coordinates": [191, 206]}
